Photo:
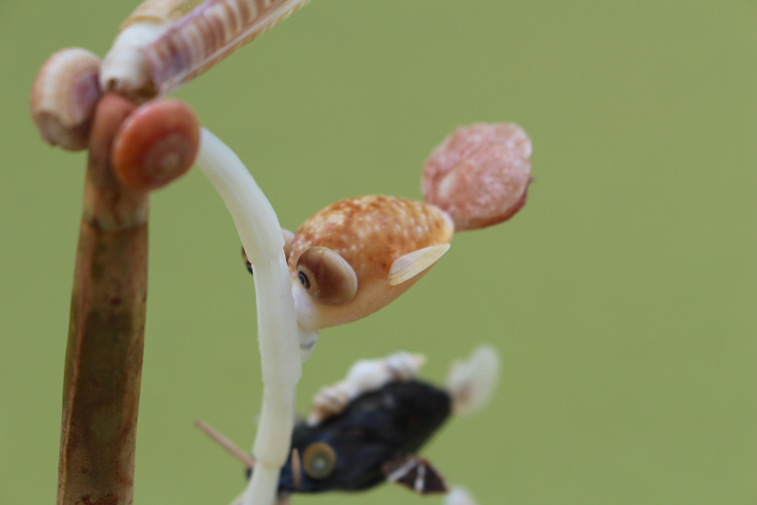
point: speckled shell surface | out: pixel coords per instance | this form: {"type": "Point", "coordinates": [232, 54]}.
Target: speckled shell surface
{"type": "Point", "coordinates": [479, 174]}
{"type": "Point", "coordinates": [370, 233]}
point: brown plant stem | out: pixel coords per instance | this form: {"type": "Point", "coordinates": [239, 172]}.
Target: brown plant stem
{"type": "Point", "coordinates": [106, 330]}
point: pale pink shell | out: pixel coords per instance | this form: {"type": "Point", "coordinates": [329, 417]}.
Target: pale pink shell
{"type": "Point", "coordinates": [370, 233]}
{"type": "Point", "coordinates": [479, 175]}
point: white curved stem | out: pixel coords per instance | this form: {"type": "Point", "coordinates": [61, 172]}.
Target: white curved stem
{"type": "Point", "coordinates": [261, 237]}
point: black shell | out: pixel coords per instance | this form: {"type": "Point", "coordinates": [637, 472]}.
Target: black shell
{"type": "Point", "coordinates": [377, 427]}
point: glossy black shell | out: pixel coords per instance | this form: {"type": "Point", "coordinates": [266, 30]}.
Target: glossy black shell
{"type": "Point", "coordinates": [377, 427]}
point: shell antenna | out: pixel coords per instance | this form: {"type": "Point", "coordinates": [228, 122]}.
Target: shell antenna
{"type": "Point", "coordinates": [226, 444]}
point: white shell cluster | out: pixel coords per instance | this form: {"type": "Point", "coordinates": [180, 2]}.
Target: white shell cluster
{"type": "Point", "coordinates": [363, 376]}
{"type": "Point", "coordinates": [471, 382]}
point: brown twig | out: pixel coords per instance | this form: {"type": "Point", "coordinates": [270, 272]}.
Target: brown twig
{"type": "Point", "coordinates": [226, 444]}
{"type": "Point", "coordinates": [106, 332]}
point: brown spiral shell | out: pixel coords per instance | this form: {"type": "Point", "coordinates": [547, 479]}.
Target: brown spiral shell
{"type": "Point", "coordinates": [156, 144]}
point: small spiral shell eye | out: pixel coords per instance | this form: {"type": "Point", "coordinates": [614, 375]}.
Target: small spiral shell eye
{"type": "Point", "coordinates": [156, 144]}
{"type": "Point", "coordinates": [319, 460]}
{"type": "Point", "coordinates": [326, 276]}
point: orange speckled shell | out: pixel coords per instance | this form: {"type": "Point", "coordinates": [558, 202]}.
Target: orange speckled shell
{"type": "Point", "coordinates": [370, 233]}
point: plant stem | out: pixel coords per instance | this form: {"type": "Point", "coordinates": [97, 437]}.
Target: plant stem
{"type": "Point", "coordinates": [278, 337]}
{"type": "Point", "coordinates": [104, 354]}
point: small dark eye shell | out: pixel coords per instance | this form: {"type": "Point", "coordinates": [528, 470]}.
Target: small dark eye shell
{"type": "Point", "coordinates": [246, 261]}
{"type": "Point", "coordinates": [288, 239]}
{"type": "Point", "coordinates": [326, 276]}
{"type": "Point", "coordinates": [303, 278]}
{"type": "Point", "coordinates": [319, 460]}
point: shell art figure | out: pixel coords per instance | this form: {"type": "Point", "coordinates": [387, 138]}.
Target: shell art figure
{"type": "Point", "coordinates": [358, 255]}
{"type": "Point", "coordinates": [368, 428]}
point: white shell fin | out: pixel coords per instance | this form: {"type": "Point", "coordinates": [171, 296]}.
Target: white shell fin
{"type": "Point", "coordinates": [411, 264]}
{"type": "Point", "coordinates": [471, 382]}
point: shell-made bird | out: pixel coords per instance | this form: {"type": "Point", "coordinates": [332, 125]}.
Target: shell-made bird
{"type": "Point", "coordinates": [358, 255]}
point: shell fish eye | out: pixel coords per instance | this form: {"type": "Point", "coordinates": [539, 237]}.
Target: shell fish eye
{"type": "Point", "coordinates": [246, 261]}
{"type": "Point", "coordinates": [319, 460]}
{"type": "Point", "coordinates": [288, 239]}
{"type": "Point", "coordinates": [326, 276]}
{"type": "Point", "coordinates": [303, 279]}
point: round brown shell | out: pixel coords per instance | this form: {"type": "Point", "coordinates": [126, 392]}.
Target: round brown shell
{"type": "Point", "coordinates": [156, 144]}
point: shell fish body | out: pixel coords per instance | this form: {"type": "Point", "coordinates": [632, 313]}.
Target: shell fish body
{"type": "Point", "coordinates": [375, 429]}
{"type": "Point", "coordinates": [370, 233]}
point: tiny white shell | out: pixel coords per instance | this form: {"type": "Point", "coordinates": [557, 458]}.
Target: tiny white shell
{"type": "Point", "coordinates": [365, 375]}
{"type": "Point", "coordinates": [403, 366]}
{"type": "Point", "coordinates": [328, 402]}
{"type": "Point", "coordinates": [369, 375]}
{"type": "Point", "coordinates": [459, 496]}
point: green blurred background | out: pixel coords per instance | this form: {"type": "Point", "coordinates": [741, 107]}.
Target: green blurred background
{"type": "Point", "coordinates": [622, 298]}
